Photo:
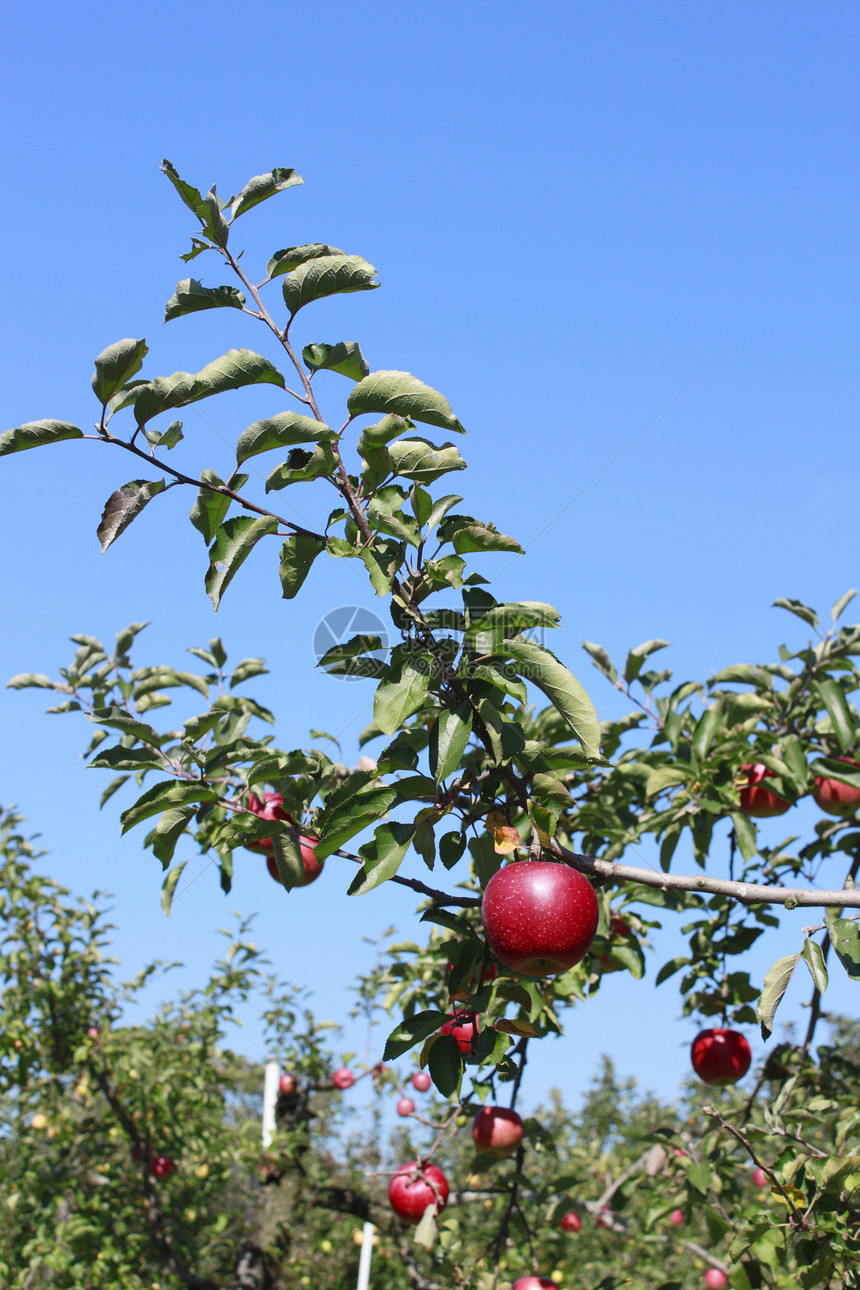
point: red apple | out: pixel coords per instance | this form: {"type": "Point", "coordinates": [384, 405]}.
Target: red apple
{"type": "Point", "coordinates": [482, 975]}
{"type": "Point", "coordinates": [287, 1084]}
{"type": "Point", "coordinates": [497, 1131]}
{"type": "Point", "coordinates": [268, 807]}
{"type": "Point", "coordinates": [679, 1152]}
{"type": "Point", "coordinates": [343, 1078]}
{"type": "Point", "coordinates": [464, 1028]}
{"type": "Point", "coordinates": [534, 1283]}
{"type": "Point", "coordinates": [677, 1217]}
{"type": "Point", "coordinates": [311, 867]}
{"type": "Point", "coordinates": [161, 1166]}
{"type": "Point", "coordinates": [715, 1279]}
{"type": "Point", "coordinates": [421, 1081]}
{"type": "Point", "coordinates": [539, 916]}
{"type": "Point", "coordinates": [414, 1187]}
{"type": "Point", "coordinates": [405, 1106]}
{"type": "Point", "coordinates": [619, 926]}
{"type": "Point", "coordinates": [92, 1032]}
{"type": "Point", "coordinates": [834, 797]}
{"type": "Point", "coordinates": [720, 1056]}
{"type": "Point", "coordinates": [571, 1222]}
{"type": "Point", "coordinates": [756, 800]}
{"type": "Point", "coordinates": [760, 1178]}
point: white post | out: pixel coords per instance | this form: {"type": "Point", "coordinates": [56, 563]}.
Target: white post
{"type": "Point", "coordinates": [366, 1253]}
{"type": "Point", "coordinates": [270, 1097]}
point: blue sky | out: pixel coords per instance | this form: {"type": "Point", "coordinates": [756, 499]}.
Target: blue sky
{"type": "Point", "coordinates": [575, 214]}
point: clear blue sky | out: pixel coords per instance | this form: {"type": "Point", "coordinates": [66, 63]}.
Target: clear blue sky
{"type": "Point", "coordinates": [576, 211]}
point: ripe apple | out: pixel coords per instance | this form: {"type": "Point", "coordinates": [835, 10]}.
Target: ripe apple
{"type": "Point", "coordinates": [539, 916]}
{"type": "Point", "coordinates": [421, 1081]}
{"type": "Point", "coordinates": [343, 1078]}
{"type": "Point", "coordinates": [92, 1032]}
{"type": "Point", "coordinates": [287, 1084]}
{"type": "Point", "coordinates": [571, 1222]}
{"type": "Point", "coordinates": [464, 1028]}
{"type": "Point", "coordinates": [405, 1106]}
{"type": "Point", "coordinates": [756, 800]}
{"type": "Point", "coordinates": [534, 1283]}
{"type": "Point", "coordinates": [161, 1166]}
{"type": "Point", "coordinates": [835, 798]}
{"type": "Point", "coordinates": [759, 1178]}
{"type": "Point", "coordinates": [715, 1279]}
{"type": "Point", "coordinates": [414, 1187]}
{"type": "Point", "coordinates": [677, 1217]}
{"type": "Point", "coordinates": [497, 1131]}
{"type": "Point", "coordinates": [720, 1056]}
{"type": "Point", "coordinates": [270, 807]}
{"type": "Point", "coordinates": [311, 867]}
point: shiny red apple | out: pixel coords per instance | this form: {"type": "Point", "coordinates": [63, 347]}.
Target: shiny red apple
{"type": "Point", "coordinates": [497, 1131]}
{"type": "Point", "coordinates": [759, 1178]}
{"type": "Point", "coordinates": [715, 1279]}
{"type": "Point", "coordinates": [677, 1217]}
{"type": "Point", "coordinates": [756, 800]}
{"type": "Point", "coordinates": [161, 1166]}
{"type": "Point", "coordinates": [343, 1078]}
{"type": "Point", "coordinates": [539, 916]}
{"type": "Point", "coordinates": [414, 1187]}
{"type": "Point", "coordinates": [571, 1222]}
{"type": "Point", "coordinates": [464, 1028]}
{"type": "Point", "coordinates": [834, 797]}
{"type": "Point", "coordinates": [287, 1084]}
{"type": "Point", "coordinates": [270, 807]}
{"type": "Point", "coordinates": [311, 867]}
{"type": "Point", "coordinates": [405, 1106]}
{"type": "Point", "coordinates": [720, 1056]}
{"type": "Point", "coordinates": [421, 1081]}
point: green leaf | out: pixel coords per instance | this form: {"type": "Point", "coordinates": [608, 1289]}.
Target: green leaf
{"type": "Point", "coordinates": [813, 957]}
{"type": "Point", "coordinates": [125, 505]}
{"type": "Point", "coordinates": [116, 365]}
{"type": "Point", "coordinates": [834, 700]}
{"type": "Point", "coordinates": [168, 831]}
{"type": "Point", "coordinates": [601, 659]}
{"type": "Point", "coordinates": [842, 604]}
{"type": "Point", "coordinates": [403, 395]}
{"type": "Point", "coordinates": [448, 739]}
{"type": "Point", "coordinates": [411, 1031]}
{"type": "Point", "coordinates": [451, 848]}
{"type": "Point", "coordinates": [35, 434]}
{"type": "Point", "coordinates": [235, 369]}
{"type": "Point", "coordinates": [191, 296]}
{"type": "Point", "coordinates": [262, 187]}
{"type": "Point", "coordinates": [382, 857]}
{"type": "Point", "coordinates": [353, 648]}
{"type": "Point", "coordinates": [30, 681]}
{"type": "Point", "coordinates": [775, 986]}
{"type": "Point", "coordinates": [234, 541]}
{"type": "Point", "coordinates": [210, 508]}
{"type": "Point", "coordinates": [160, 797]}
{"type": "Point", "coordinates": [637, 657]}
{"type": "Point", "coordinates": [561, 687]}
{"type": "Point", "coordinates": [292, 256]}
{"type": "Point", "coordinates": [327, 275]}
{"type": "Point", "coordinates": [706, 727]}
{"type": "Point", "coordinates": [301, 467]}
{"type": "Point", "coordinates": [168, 438]}
{"type": "Point", "coordinates": [279, 432]}
{"type": "Point", "coordinates": [297, 555]}
{"type": "Point", "coordinates": [118, 719]}
{"type": "Point", "coordinates": [698, 1176]}
{"type": "Point", "coordinates": [746, 835]}
{"type": "Point", "coordinates": [845, 937]}
{"type": "Point", "coordinates": [799, 609]}
{"type": "Point", "coordinates": [345, 357]}
{"type": "Point", "coordinates": [289, 861]}
{"type": "Point", "coordinates": [112, 788]}
{"type": "Point", "coordinates": [445, 1063]}
{"type": "Point", "coordinates": [399, 695]}
{"type": "Point", "coordinates": [468, 534]}
{"type": "Point", "coordinates": [168, 887]}
{"type": "Point", "coordinates": [349, 818]}
{"type": "Point", "coordinates": [423, 461]}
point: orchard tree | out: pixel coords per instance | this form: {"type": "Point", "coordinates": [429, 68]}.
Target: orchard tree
{"type": "Point", "coordinates": [532, 813]}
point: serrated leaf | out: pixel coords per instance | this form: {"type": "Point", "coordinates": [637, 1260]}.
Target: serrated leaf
{"type": "Point", "coordinates": [30, 681]}
{"type": "Point", "coordinates": [124, 506]}
{"type": "Point", "coordinates": [160, 797]}
{"type": "Point", "coordinates": [636, 657]}
{"type": "Point", "coordinates": [561, 687]}
{"type": "Point", "coordinates": [468, 535]}
{"type": "Point", "coordinates": [297, 555]}
{"type": "Point", "coordinates": [775, 986]}
{"type": "Point", "coordinates": [262, 187]}
{"type": "Point", "coordinates": [399, 695]}
{"type": "Point", "coordinates": [234, 542]}
{"type": "Point", "coordinates": [168, 831]}
{"type": "Point", "coordinates": [343, 822]}
{"type": "Point", "coordinates": [746, 835]}
{"type": "Point", "coordinates": [813, 957]}
{"type": "Point", "coordinates": [191, 297]}
{"type": "Point", "coordinates": [345, 358]}
{"type": "Point", "coordinates": [845, 937]}
{"type": "Point", "coordinates": [235, 369]}
{"type": "Point", "coordinates": [706, 728]}
{"type": "Point", "coordinates": [168, 887]}
{"type": "Point", "coordinates": [601, 659]}
{"type": "Point", "coordinates": [382, 857]}
{"type": "Point", "coordinates": [301, 467]}
{"type": "Point", "coordinates": [280, 431]}
{"type": "Point", "coordinates": [289, 861]}
{"type": "Point", "coordinates": [292, 256]}
{"type": "Point", "coordinates": [116, 365]}
{"type": "Point", "coordinates": [422, 461]}
{"type": "Point", "coordinates": [411, 1031]}
{"type": "Point", "coordinates": [401, 394]}
{"type": "Point", "coordinates": [36, 434]}
{"type": "Point", "coordinates": [117, 718]}
{"type": "Point", "coordinates": [326, 275]}
{"type": "Point", "coordinates": [209, 509]}
{"type": "Point", "coordinates": [448, 739]}
{"type": "Point", "coordinates": [797, 608]}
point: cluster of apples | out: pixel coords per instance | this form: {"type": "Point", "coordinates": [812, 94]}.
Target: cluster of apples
{"type": "Point", "coordinates": [830, 795]}
{"type": "Point", "coordinates": [271, 807]}
{"type": "Point", "coordinates": [160, 1164]}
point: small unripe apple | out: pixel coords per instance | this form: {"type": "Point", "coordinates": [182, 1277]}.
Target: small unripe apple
{"type": "Point", "coordinates": [715, 1279]}
{"type": "Point", "coordinates": [759, 1178]}
{"type": "Point", "coordinates": [720, 1056]}
{"type": "Point", "coordinates": [405, 1106]}
{"type": "Point", "coordinates": [464, 1028]}
{"type": "Point", "coordinates": [343, 1078]}
{"type": "Point", "coordinates": [201, 1171]}
{"type": "Point", "coordinates": [414, 1187]}
{"type": "Point", "coordinates": [677, 1217]}
{"type": "Point", "coordinates": [421, 1081]}
{"type": "Point", "coordinates": [497, 1131]}
{"type": "Point", "coordinates": [571, 1222]}
{"type": "Point", "coordinates": [539, 916]}
{"type": "Point", "coordinates": [39, 1121]}
{"type": "Point", "coordinates": [287, 1084]}
{"type": "Point", "coordinates": [758, 801]}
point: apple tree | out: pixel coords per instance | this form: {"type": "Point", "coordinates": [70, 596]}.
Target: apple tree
{"type": "Point", "coordinates": [525, 812]}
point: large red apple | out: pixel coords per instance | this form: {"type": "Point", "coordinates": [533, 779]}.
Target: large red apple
{"type": "Point", "coordinates": [414, 1187]}
{"type": "Point", "coordinates": [539, 916]}
{"type": "Point", "coordinates": [497, 1131]}
{"type": "Point", "coordinates": [421, 1081]}
{"type": "Point", "coordinates": [571, 1222]}
{"type": "Point", "coordinates": [311, 867]}
{"type": "Point", "coordinates": [756, 800]}
{"type": "Point", "coordinates": [464, 1028]}
{"type": "Point", "coordinates": [534, 1283]}
{"type": "Point", "coordinates": [834, 797]}
{"type": "Point", "coordinates": [720, 1056]}
{"type": "Point", "coordinates": [715, 1279]}
{"type": "Point", "coordinates": [343, 1078]}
